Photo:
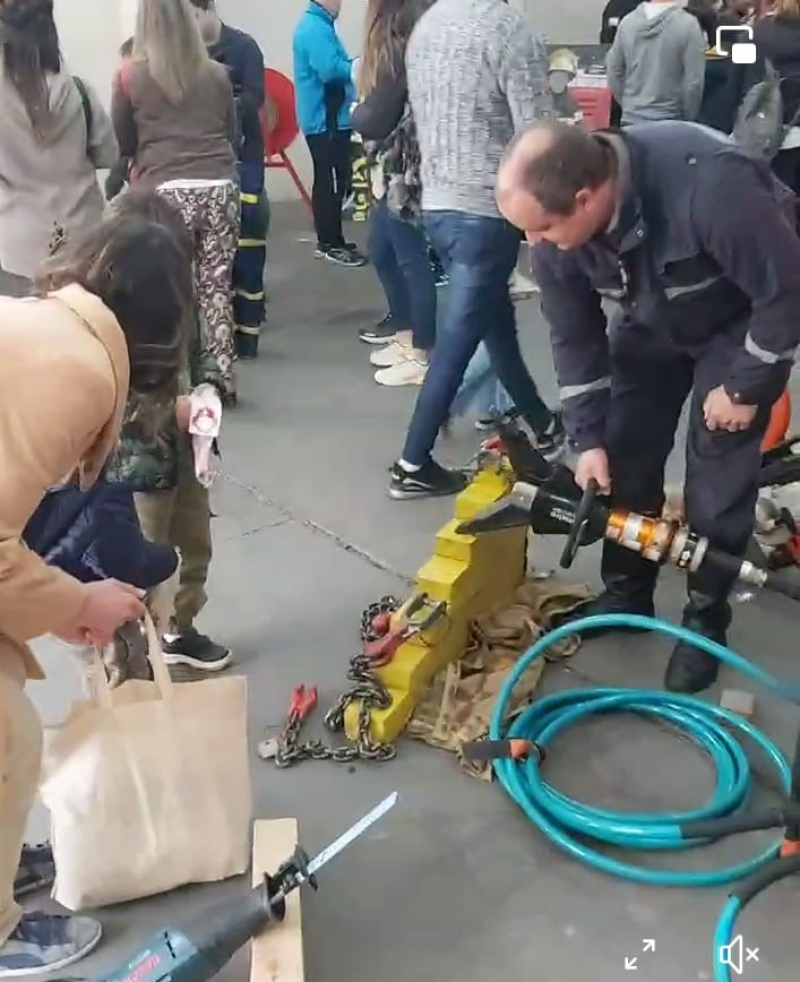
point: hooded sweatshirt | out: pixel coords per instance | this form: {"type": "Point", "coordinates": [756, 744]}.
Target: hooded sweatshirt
{"type": "Point", "coordinates": [656, 65]}
{"type": "Point", "coordinates": [49, 189]}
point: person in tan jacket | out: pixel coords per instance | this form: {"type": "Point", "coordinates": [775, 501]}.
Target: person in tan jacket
{"type": "Point", "coordinates": [110, 318]}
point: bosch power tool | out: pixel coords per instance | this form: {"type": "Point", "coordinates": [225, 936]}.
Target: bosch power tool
{"type": "Point", "coordinates": [196, 953]}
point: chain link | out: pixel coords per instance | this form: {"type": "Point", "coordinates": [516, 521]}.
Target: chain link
{"type": "Point", "coordinates": [367, 689]}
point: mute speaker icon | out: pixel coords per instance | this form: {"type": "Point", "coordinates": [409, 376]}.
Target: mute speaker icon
{"type": "Point", "coordinates": [733, 954]}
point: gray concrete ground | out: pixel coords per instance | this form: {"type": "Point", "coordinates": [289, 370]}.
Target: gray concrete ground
{"type": "Point", "coordinates": [455, 884]}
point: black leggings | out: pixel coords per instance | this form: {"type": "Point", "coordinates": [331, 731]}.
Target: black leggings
{"type": "Point", "coordinates": [330, 154]}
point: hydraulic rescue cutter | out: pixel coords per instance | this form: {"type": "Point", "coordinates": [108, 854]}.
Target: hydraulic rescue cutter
{"type": "Point", "coordinates": [547, 498]}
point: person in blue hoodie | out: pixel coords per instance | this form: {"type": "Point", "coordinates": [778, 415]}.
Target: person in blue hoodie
{"type": "Point", "coordinates": [323, 78]}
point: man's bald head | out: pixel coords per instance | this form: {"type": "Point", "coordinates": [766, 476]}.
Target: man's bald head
{"type": "Point", "coordinates": [556, 182]}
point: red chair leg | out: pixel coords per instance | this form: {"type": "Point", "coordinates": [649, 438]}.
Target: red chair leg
{"type": "Point", "coordinates": [296, 178]}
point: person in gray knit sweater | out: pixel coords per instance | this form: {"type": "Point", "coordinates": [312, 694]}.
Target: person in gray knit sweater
{"type": "Point", "coordinates": [477, 74]}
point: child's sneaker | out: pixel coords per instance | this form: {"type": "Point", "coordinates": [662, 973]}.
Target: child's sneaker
{"type": "Point", "coordinates": [197, 651]}
{"type": "Point", "coordinates": [47, 943]}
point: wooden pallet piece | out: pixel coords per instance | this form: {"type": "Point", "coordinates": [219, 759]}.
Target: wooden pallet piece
{"type": "Point", "coordinates": [277, 953]}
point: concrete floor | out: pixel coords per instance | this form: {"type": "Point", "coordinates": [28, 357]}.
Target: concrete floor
{"type": "Point", "coordinates": [455, 884]}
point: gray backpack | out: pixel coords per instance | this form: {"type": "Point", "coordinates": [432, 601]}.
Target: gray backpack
{"type": "Point", "coordinates": [759, 128]}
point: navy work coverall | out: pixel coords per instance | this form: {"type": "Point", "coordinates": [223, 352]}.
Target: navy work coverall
{"type": "Point", "coordinates": [703, 257]}
{"type": "Point", "coordinates": [242, 57]}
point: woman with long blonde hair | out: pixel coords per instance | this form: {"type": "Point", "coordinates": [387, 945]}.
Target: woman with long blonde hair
{"type": "Point", "coordinates": [397, 246]}
{"type": "Point", "coordinates": [175, 118]}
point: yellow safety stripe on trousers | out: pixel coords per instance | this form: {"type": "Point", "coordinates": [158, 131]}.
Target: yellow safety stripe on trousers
{"type": "Point", "coordinates": [253, 331]}
{"type": "Point", "coordinates": [250, 199]}
{"type": "Point", "coordinates": [249, 296]}
{"type": "Point", "coordinates": [252, 243]}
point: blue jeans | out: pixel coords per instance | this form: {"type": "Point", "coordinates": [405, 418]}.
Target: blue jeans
{"type": "Point", "coordinates": [481, 393]}
{"type": "Point", "coordinates": [478, 255]}
{"type": "Point", "coordinates": [399, 252]}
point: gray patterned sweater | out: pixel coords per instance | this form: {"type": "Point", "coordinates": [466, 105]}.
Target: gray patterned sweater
{"type": "Point", "coordinates": [477, 74]}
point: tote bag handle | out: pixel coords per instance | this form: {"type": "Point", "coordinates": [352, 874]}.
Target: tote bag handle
{"type": "Point", "coordinates": [155, 655]}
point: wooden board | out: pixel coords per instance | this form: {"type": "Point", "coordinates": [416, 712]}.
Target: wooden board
{"type": "Point", "coordinates": [277, 954]}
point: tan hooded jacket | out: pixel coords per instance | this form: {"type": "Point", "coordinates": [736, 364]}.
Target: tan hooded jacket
{"type": "Point", "coordinates": [64, 376]}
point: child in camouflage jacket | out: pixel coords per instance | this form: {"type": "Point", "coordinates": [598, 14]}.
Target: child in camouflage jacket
{"type": "Point", "coordinates": [156, 461]}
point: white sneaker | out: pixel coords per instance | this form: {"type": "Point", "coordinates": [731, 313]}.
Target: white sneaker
{"type": "Point", "coordinates": [408, 372]}
{"type": "Point", "coordinates": [393, 354]}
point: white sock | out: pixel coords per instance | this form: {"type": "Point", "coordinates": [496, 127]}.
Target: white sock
{"type": "Point", "coordinates": [410, 468]}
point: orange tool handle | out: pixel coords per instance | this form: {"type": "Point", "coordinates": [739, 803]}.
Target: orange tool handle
{"type": "Point", "coordinates": [303, 702]}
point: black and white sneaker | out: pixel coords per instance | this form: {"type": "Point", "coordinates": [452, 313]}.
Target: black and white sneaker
{"type": "Point", "coordinates": [197, 651]}
{"type": "Point", "coordinates": [382, 333]}
{"type": "Point", "coordinates": [490, 422]}
{"type": "Point", "coordinates": [430, 481]}
{"type": "Point", "coordinates": [342, 256]}
{"type": "Point", "coordinates": [553, 441]}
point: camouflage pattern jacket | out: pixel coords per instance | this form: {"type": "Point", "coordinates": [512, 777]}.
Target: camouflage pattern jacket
{"type": "Point", "coordinates": [146, 459]}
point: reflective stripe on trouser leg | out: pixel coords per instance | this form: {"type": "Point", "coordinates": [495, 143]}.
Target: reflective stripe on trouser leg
{"type": "Point", "coordinates": [248, 270]}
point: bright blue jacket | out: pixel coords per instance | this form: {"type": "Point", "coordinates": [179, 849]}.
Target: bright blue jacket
{"type": "Point", "coordinates": [320, 63]}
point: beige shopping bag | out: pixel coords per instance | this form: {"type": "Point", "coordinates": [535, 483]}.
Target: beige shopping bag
{"type": "Point", "coordinates": [148, 787]}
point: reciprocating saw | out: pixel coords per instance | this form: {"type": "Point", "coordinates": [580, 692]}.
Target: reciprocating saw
{"type": "Point", "coordinates": [547, 498]}
{"type": "Point", "coordinates": [197, 952]}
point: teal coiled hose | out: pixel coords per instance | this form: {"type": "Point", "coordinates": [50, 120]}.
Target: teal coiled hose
{"type": "Point", "coordinates": [582, 830]}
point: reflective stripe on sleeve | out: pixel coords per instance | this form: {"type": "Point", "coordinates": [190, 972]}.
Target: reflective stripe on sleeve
{"type": "Point", "coordinates": [767, 357]}
{"type": "Point", "coordinates": [573, 391]}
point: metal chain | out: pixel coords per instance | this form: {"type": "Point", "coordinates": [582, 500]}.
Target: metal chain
{"type": "Point", "coordinates": [366, 689]}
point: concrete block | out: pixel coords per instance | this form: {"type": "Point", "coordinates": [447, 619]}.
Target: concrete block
{"type": "Point", "coordinates": [386, 725]}
{"type": "Point", "coordinates": [739, 702]}
{"type": "Point", "coordinates": [448, 580]}
{"type": "Point", "coordinates": [472, 575]}
{"type": "Point", "coordinates": [416, 661]}
{"type": "Point", "coordinates": [488, 486]}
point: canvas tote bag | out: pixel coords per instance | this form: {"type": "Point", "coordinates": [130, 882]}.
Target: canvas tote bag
{"type": "Point", "coordinates": [148, 787]}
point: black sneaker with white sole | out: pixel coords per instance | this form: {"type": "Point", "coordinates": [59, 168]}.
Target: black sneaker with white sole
{"type": "Point", "coordinates": [430, 481]}
{"type": "Point", "coordinates": [381, 333]}
{"type": "Point", "coordinates": [342, 256]}
{"type": "Point", "coordinates": [553, 441]}
{"type": "Point", "coordinates": [195, 650]}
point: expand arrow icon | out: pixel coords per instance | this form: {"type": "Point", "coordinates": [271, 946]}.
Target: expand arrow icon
{"type": "Point", "coordinates": [631, 964]}
{"type": "Point", "coordinates": [649, 944]}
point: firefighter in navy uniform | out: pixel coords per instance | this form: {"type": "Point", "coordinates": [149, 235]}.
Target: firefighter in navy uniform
{"type": "Point", "coordinates": [698, 244]}
{"type": "Point", "coordinates": [243, 58]}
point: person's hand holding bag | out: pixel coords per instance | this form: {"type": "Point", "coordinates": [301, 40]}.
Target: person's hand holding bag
{"type": "Point", "coordinates": [108, 605]}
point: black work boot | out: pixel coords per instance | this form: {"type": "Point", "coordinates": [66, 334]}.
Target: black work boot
{"type": "Point", "coordinates": [629, 582]}
{"type": "Point", "coordinates": [708, 613]}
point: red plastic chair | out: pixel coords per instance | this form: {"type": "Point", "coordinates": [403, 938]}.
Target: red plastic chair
{"type": "Point", "coordinates": [595, 104]}
{"type": "Point", "coordinates": [280, 90]}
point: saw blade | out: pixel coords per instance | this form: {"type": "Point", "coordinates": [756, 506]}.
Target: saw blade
{"type": "Point", "coordinates": [353, 833]}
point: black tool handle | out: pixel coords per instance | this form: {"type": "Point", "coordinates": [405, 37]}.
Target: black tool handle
{"type": "Point", "coordinates": [575, 534]}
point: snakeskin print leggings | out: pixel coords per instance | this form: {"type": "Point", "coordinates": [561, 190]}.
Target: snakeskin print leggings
{"type": "Point", "coordinates": [211, 210]}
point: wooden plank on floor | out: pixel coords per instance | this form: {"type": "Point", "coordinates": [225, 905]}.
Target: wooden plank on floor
{"type": "Point", "coordinates": [277, 953]}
